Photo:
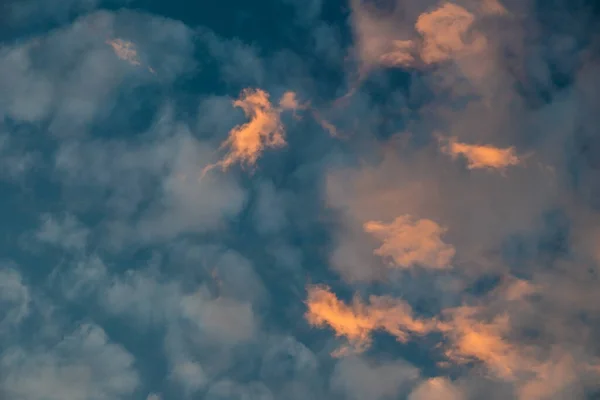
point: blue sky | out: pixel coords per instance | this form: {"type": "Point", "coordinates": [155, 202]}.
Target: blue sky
{"type": "Point", "coordinates": [363, 200]}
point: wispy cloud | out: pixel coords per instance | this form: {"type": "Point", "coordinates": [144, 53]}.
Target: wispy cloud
{"type": "Point", "coordinates": [358, 321]}
{"type": "Point", "coordinates": [247, 142]}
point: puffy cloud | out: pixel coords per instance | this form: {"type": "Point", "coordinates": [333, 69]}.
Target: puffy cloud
{"type": "Point", "coordinates": [289, 101]}
{"type": "Point", "coordinates": [81, 75]}
{"type": "Point", "coordinates": [408, 242]}
{"type": "Point", "coordinates": [494, 7]}
{"type": "Point", "coordinates": [190, 375]}
{"type": "Point", "coordinates": [15, 299]}
{"type": "Point", "coordinates": [444, 32]}
{"type": "Point", "coordinates": [228, 389]}
{"type": "Point", "coordinates": [357, 321]}
{"type": "Point", "coordinates": [483, 341]}
{"type": "Point", "coordinates": [66, 232]}
{"type": "Point", "coordinates": [358, 378]}
{"type": "Point", "coordinates": [401, 54]}
{"type": "Point", "coordinates": [83, 365]}
{"type": "Point", "coordinates": [481, 156]}
{"type": "Point", "coordinates": [437, 388]}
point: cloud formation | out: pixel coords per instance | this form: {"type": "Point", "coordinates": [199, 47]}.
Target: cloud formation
{"type": "Point", "coordinates": [357, 322]}
{"type": "Point", "coordinates": [481, 156]}
{"type": "Point", "coordinates": [408, 242]}
{"type": "Point", "coordinates": [404, 226]}
{"type": "Point", "coordinates": [444, 33]}
{"type": "Point", "coordinates": [246, 142]}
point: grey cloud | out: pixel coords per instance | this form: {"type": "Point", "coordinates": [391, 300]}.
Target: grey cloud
{"type": "Point", "coordinates": [230, 390]}
{"type": "Point", "coordinates": [65, 231]}
{"type": "Point", "coordinates": [71, 75]}
{"type": "Point", "coordinates": [270, 214]}
{"type": "Point", "coordinates": [83, 365]}
{"type": "Point", "coordinates": [15, 299]}
{"type": "Point", "coordinates": [359, 378]}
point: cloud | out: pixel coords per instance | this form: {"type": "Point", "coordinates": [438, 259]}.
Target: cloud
{"type": "Point", "coordinates": [358, 378]}
{"type": "Point", "coordinates": [190, 375]}
{"type": "Point", "coordinates": [81, 76]}
{"type": "Point", "coordinates": [437, 388]}
{"type": "Point", "coordinates": [392, 40]}
{"type": "Point", "coordinates": [228, 389]}
{"type": "Point", "coordinates": [444, 32]}
{"type": "Point", "coordinates": [493, 7]}
{"type": "Point", "coordinates": [65, 231]}
{"type": "Point", "coordinates": [356, 322]}
{"type": "Point", "coordinates": [481, 156]}
{"type": "Point", "coordinates": [246, 142]}
{"type": "Point", "coordinates": [125, 50]}
{"type": "Point", "coordinates": [15, 299]}
{"type": "Point", "coordinates": [83, 365]}
{"type": "Point", "coordinates": [408, 242]}
{"type": "Point", "coordinates": [401, 54]}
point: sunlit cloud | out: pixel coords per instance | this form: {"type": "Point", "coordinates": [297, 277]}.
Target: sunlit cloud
{"type": "Point", "coordinates": [494, 7]}
{"type": "Point", "coordinates": [408, 242]}
{"type": "Point", "coordinates": [247, 142]}
{"type": "Point", "coordinates": [473, 339]}
{"type": "Point", "coordinates": [441, 34]}
{"type": "Point", "coordinates": [480, 156]}
{"type": "Point", "coordinates": [444, 33]}
{"type": "Point", "coordinates": [400, 54]}
{"type": "Point", "coordinates": [289, 101]}
{"type": "Point", "coordinates": [127, 51]}
{"type": "Point", "coordinates": [437, 388]}
{"type": "Point", "coordinates": [356, 322]}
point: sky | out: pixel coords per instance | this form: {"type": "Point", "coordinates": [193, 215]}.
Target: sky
{"type": "Point", "coordinates": [299, 199]}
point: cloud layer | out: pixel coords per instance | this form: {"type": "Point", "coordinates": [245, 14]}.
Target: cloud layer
{"type": "Point", "coordinates": [299, 200]}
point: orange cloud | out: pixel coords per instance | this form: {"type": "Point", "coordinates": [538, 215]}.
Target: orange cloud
{"type": "Point", "coordinates": [493, 7]}
{"type": "Point", "coordinates": [408, 242]}
{"type": "Point", "coordinates": [289, 101]}
{"type": "Point", "coordinates": [481, 156]}
{"type": "Point", "coordinates": [444, 33]}
{"type": "Point", "coordinates": [357, 321]}
{"type": "Point", "coordinates": [246, 142]}
{"type": "Point", "coordinates": [473, 339]}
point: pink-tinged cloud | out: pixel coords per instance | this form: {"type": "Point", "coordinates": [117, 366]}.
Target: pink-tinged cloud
{"type": "Point", "coordinates": [407, 242]}
{"type": "Point", "coordinates": [438, 388]}
{"type": "Point", "coordinates": [401, 53]}
{"type": "Point", "coordinates": [481, 156]}
{"type": "Point", "coordinates": [493, 7]}
{"type": "Point", "coordinates": [125, 50]}
{"type": "Point", "coordinates": [444, 34]}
